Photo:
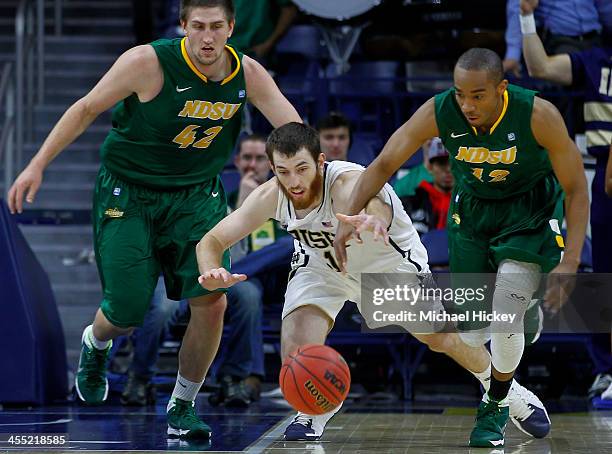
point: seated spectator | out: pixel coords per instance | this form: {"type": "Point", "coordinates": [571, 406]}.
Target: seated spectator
{"type": "Point", "coordinates": [428, 207]}
{"type": "Point", "coordinates": [565, 26]}
{"type": "Point", "coordinates": [242, 367]}
{"type": "Point", "coordinates": [335, 136]}
{"type": "Point", "coordinates": [407, 185]}
{"type": "Point", "coordinates": [253, 165]}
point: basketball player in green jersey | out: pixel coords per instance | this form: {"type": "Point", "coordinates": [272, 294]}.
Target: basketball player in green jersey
{"type": "Point", "coordinates": [158, 190]}
{"type": "Point", "coordinates": [510, 150]}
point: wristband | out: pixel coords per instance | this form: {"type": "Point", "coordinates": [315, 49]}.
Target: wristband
{"type": "Point", "coordinates": [528, 26]}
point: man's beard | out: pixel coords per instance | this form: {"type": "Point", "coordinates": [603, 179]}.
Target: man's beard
{"type": "Point", "coordinates": [310, 194]}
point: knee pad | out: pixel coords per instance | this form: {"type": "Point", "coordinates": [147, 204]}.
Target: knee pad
{"type": "Point", "coordinates": [520, 276]}
{"type": "Point", "coordinates": [514, 287]}
{"type": "Point", "coordinates": [506, 351]}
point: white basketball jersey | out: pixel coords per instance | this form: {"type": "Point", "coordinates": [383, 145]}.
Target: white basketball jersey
{"type": "Point", "coordinates": [314, 234]}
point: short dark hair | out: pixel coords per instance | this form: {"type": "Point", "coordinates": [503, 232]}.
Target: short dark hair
{"type": "Point", "coordinates": [291, 138]}
{"type": "Point", "coordinates": [334, 120]}
{"type": "Point", "coordinates": [227, 5]}
{"type": "Point", "coordinates": [250, 138]}
{"type": "Point", "coordinates": [480, 59]}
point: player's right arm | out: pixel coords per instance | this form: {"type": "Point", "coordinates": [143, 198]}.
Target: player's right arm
{"type": "Point", "coordinates": [118, 83]}
{"type": "Point", "coordinates": [258, 207]}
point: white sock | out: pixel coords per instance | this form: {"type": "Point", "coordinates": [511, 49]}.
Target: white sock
{"type": "Point", "coordinates": [484, 377]}
{"type": "Point", "coordinates": [184, 390]}
{"type": "Point", "coordinates": [324, 417]}
{"type": "Point", "coordinates": [92, 341]}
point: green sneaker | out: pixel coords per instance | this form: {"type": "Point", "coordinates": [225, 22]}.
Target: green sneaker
{"type": "Point", "coordinates": [184, 423]}
{"type": "Point", "coordinates": [491, 421]}
{"type": "Point", "coordinates": [91, 382]}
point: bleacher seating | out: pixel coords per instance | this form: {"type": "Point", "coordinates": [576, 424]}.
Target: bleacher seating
{"type": "Point", "coordinates": [230, 179]}
{"type": "Point", "coordinates": [367, 95]}
{"type": "Point", "coordinates": [364, 148]}
{"type": "Point", "coordinates": [300, 53]}
{"type": "Point", "coordinates": [436, 243]}
{"type": "Point", "coordinates": [303, 41]}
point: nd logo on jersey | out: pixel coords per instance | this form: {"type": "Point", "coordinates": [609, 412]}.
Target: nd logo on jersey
{"type": "Point", "coordinates": [206, 109]}
{"type": "Point", "coordinates": [479, 155]}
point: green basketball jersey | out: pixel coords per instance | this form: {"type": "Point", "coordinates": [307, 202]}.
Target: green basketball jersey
{"type": "Point", "coordinates": [184, 135]}
{"type": "Point", "coordinates": [505, 162]}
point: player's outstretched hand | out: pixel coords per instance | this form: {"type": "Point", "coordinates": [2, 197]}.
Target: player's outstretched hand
{"type": "Point", "coordinates": [26, 184]}
{"type": "Point", "coordinates": [367, 223]}
{"type": "Point", "coordinates": [217, 278]}
{"type": "Point", "coordinates": [559, 286]}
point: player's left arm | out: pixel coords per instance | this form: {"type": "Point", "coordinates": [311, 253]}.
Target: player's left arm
{"type": "Point", "coordinates": [377, 215]}
{"type": "Point", "coordinates": [609, 174]}
{"type": "Point", "coordinates": [265, 95]}
{"type": "Point", "coordinates": [549, 130]}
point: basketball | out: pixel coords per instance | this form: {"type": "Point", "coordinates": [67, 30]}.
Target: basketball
{"type": "Point", "coordinates": [315, 379]}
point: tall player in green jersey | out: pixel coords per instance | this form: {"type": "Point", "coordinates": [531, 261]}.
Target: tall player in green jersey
{"type": "Point", "coordinates": [158, 190]}
{"type": "Point", "coordinates": [510, 150]}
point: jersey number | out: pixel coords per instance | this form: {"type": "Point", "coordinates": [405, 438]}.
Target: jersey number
{"type": "Point", "coordinates": [331, 261]}
{"type": "Point", "coordinates": [496, 175]}
{"type": "Point", "coordinates": [188, 135]}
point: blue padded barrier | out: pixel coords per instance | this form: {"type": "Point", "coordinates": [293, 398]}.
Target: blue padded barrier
{"type": "Point", "coordinates": [32, 349]}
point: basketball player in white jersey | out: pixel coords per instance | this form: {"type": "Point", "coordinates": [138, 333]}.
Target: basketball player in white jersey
{"type": "Point", "coordinates": [307, 196]}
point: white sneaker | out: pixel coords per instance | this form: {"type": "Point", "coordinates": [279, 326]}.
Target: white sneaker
{"type": "Point", "coordinates": [308, 427]}
{"type": "Point", "coordinates": [600, 384]}
{"type": "Point", "coordinates": [527, 412]}
{"type": "Point", "coordinates": [607, 394]}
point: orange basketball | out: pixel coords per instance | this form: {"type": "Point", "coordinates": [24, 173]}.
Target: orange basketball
{"type": "Point", "coordinates": [315, 379]}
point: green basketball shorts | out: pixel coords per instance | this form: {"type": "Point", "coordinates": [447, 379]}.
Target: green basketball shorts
{"type": "Point", "coordinates": [140, 232]}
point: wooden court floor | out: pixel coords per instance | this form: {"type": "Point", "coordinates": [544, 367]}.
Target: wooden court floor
{"type": "Point", "coordinates": [370, 428]}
